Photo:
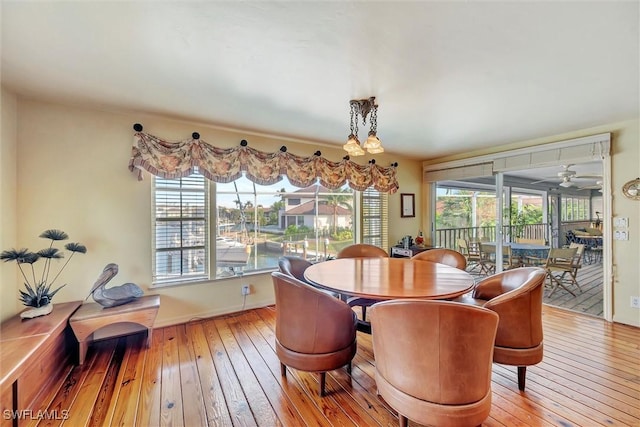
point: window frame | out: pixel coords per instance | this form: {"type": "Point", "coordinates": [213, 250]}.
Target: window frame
{"type": "Point", "coordinates": [361, 235]}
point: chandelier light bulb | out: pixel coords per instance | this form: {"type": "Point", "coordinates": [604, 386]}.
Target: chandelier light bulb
{"type": "Point", "coordinates": [361, 108]}
{"type": "Point", "coordinates": [372, 141]}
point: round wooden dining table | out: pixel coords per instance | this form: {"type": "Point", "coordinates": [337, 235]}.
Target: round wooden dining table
{"type": "Point", "coordinates": [390, 278]}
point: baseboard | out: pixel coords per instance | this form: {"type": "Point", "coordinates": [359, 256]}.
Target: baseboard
{"type": "Point", "coordinates": [207, 314]}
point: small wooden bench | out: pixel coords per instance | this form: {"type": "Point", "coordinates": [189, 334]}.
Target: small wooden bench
{"type": "Point", "coordinates": [92, 316]}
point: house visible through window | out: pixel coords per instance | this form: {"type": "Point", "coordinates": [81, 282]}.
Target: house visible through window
{"type": "Point", "coordinates": [251, 226]}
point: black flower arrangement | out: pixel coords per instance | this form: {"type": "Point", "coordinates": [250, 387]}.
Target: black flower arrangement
{"type": "Point", "coordinates": [38, 286]}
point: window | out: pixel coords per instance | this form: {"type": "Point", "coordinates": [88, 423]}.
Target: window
{"type": "Point", "coordinates": [375, 225]}
{"type": "Point", "coordinates": [180, 229]}
{"type": "Point", "coordinates": [573, 208]}
{"type": "Point", "coordinates": [249, 226]}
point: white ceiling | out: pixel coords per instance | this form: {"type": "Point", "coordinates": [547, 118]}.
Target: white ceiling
{"type": "Point", "coordinates": [448, 76]}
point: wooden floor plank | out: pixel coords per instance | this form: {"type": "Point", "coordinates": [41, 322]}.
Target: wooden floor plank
{"type": "Point", "coordinates": [192, 399]}
{"type": "Point", "coordinates": [106, 393]}
{"type": "Point", "coordinates": [171, 413]}
{"type": "Point", "coordinates": [279, 399]}
{"type": "Point", "coordinates": [259, 403]}
{"type": "Point", "coordinates": [126, 408]}
{"type": "Point", "coordinates": [307, 410]}
{"type": "Point", "coordinates": [225, 372]}
{"type": "Point", "coordinates": [215, 404]}
{"type": "Point", "coordinates": [237, 403]}
{"type": "Point", "coordinates": [148, 413]}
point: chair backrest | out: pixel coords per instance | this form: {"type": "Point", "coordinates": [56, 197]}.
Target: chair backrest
{"type": "Point", "coordinates": [473, 246]}
{"type": "Point", "coordinates": [463, 247]}
{"type": "Point", "coordinates": [561, 256]}
{"type": "Point", "coordinates": [308, 320]}
{"type": "Point", "coordinates": [579, 253]}
{"type": "Point", "coordinates": [487, 251]}
{"type": "Point", "coordinates": [293, 266]}
{"type": "Point", "coordinates": [443, 256]}
{"type": "Point", "coordinates": [531, 241]}
{"type": "Point", "coordinates": [362, 250]}
{"type": "Point", "coordinates": [516, 295]}
{"type": "Point", "coordinates": [437, 351]}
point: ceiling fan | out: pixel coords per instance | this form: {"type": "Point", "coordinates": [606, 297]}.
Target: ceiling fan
{"type": "Point", "coordinates": [596, 186]}
{"type": "Point", "coordinates": [566, 175]}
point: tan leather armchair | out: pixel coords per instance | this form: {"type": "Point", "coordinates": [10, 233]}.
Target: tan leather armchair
{"type": "Point", "coordinates": [443, 256]}
{"type": "Point", "coordinates": [293, 266]}
{"type": "Point", "coordinates": [314, 331]}
{"type": "Point", "coordinates": [516, 295]}
{"type": "Point", "coordinates": [436, 375]}
{"type": "Point", "coordinates": [362, 250]}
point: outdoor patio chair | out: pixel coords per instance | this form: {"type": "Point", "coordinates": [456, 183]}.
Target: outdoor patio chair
{"type": "Point", "coordinates": [560, 263]}
{"type": "Point", "coordinates": [488, 258]}
{"type": "Point", "coordinates": [471, 253]}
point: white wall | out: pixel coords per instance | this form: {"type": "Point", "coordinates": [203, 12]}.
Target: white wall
{"type": "Point", "coordinates": [9, 280]}
{"type": "Point", "coordinates": [72, 174]}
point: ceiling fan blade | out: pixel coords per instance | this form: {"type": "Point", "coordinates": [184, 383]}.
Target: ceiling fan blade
{"type": "Point", "coordinates": [588, 176]}
{"type": "Point", "coordinates": [544, 180]}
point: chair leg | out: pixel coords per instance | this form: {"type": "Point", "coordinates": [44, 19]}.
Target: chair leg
{"type": "Point", "coordinates": [323, 379]}
{"type": "Point", "coordinates": [402, 421]}
{"type": "Point", "coordinates": [349, 368]}
{"type": "Point", "coordinates": [364, 313]}
{"type": "Point", "coordinates": [522, 375]}
{"type": "Point", "coordinates": [283, 369]}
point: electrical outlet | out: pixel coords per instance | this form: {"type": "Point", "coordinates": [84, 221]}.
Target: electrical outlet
{"type": "Point", "coordinates": [635, 302]}
{"type": "Point", "coordinates": [246, 290]}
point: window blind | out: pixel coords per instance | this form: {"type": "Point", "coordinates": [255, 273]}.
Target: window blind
{"type": "Point", "coordinates": [375, 224]}
{"type": "Point", "coordinates": [180, 228]}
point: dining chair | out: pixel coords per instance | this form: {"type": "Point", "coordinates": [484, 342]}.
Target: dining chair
{"type": "Point", "coordinates": [471, 254]}
{"type": "Point", "coordinates": [362, 250]}
{"type": "Point", "coordinates": [540, 242]}
{"type": "Point", "coordinates": [295, 267]}
{"type": "Point", "coordinates": [516, 295]}
{"type": "Point", "coordinates": [488, 258]}
{"type": "Point", "coordinates": [437, 375]}
{"type": "Point", "coordinates": [314, 331]}
{"type": "Point", "coordinates": [560, 262]}
{"type": "Point", "coordinates": [443, 256]}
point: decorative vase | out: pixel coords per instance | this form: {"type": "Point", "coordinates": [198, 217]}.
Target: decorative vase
{"type": "Point", "coordinates": [32, 312]}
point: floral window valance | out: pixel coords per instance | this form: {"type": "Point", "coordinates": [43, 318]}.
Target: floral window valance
{"type": "Point", "coordinates": [178, 159]}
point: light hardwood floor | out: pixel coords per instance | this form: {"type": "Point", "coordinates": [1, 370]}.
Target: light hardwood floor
{"type": "Point", "coordinates": [224, 372]}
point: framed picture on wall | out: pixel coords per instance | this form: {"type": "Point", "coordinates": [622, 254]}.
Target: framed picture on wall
{"type": "Point", "coordinates": [407, 205]}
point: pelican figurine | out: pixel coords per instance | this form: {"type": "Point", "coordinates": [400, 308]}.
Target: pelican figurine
{"type": "Point", "coordinates": [116, 295]}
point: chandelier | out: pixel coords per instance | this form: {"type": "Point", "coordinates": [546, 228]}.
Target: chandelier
{"type": "Point", "coordinates": [362, 108]}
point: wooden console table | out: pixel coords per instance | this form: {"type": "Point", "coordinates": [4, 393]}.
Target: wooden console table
{"type": "Point", "coordinates": [33, 356]}
{"type": "Point", "coordinates": [91, 317]}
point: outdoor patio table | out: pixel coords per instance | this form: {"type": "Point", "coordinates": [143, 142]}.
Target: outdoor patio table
{"type": "Point", "coordinates": [524, 250]}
